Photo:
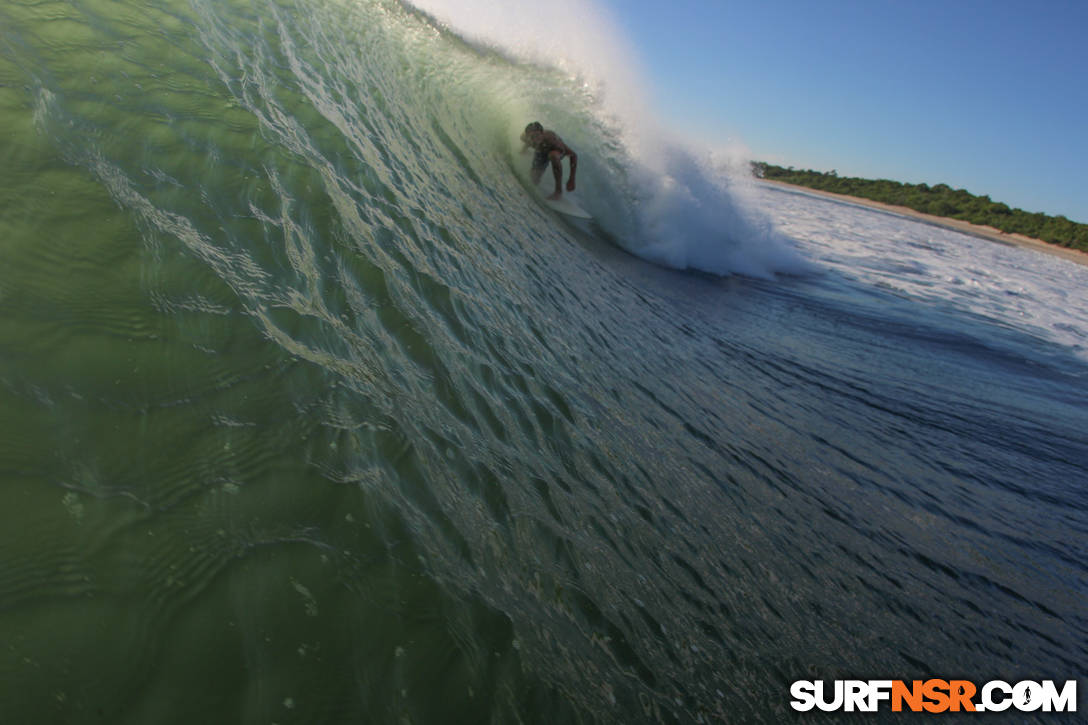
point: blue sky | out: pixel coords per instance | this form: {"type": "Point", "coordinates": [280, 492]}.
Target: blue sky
{"type": "Point", "coordinates": [987, 95]}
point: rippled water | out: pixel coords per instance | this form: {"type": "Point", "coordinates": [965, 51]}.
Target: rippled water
{"type": "Point", "coordinates": [311, 413]}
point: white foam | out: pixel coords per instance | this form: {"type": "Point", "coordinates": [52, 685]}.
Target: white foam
{"type": "Point", "coordinates": [694, 213]}
{"type": "Point", "coordinates": [1024, 289]}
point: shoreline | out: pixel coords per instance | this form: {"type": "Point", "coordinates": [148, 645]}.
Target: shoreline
{"type": "Point", "coordinates": [956, 225]}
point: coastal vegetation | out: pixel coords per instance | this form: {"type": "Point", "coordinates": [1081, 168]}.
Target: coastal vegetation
{"type": "Point", "coordinates": [939, 200]}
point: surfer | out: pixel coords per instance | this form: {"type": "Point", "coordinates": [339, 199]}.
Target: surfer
{"type": "Point", "coordinates": [549, 149]}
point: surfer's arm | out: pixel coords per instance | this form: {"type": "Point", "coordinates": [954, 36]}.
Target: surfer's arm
{"type": "Point", "coordinates": [564, 150]}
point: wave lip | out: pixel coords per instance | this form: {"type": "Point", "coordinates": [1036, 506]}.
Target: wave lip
{"type": "Point", "coordinates": [667, 200]}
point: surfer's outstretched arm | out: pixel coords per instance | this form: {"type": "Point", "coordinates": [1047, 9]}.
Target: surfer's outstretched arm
{"type": "Point", "coordinates": [573, 169]}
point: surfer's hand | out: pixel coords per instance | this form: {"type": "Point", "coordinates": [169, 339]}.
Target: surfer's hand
{"type": "Point", "coordinates": [570, 185]}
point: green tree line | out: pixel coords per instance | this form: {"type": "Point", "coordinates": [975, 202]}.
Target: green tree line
{"type": "Point", "coordinates": [940, 200]}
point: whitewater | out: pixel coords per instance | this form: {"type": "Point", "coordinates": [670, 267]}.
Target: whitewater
{"type": "Point", "coordinates": [312, 411]}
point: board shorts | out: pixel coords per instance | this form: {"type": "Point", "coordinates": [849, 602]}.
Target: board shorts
{"type": "Point", "coordinates": [541, 160]}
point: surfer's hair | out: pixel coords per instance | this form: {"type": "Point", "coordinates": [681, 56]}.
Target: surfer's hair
{"type": "Point", "coordinates": [534, 126]}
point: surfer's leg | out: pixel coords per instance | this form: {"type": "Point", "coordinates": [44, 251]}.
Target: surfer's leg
{"type": "Point", "coordinates": [540, 162]}
{"type": "Point", "coordinates": [557, 172]}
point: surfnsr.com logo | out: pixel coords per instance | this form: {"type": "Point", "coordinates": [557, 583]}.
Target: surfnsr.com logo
{"type": "Point", "coordinates": [933, 696]}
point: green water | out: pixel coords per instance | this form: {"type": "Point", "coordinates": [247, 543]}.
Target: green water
{"type": "Point", "coordinates": [176, 544]}
{"type": "Point", "coordinates": [273, 418]}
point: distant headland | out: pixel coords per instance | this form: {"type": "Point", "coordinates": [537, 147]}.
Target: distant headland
{"type": "Point", "coordinates": [961, 209]}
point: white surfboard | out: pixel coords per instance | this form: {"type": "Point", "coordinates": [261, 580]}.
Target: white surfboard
{"type": "Point", "coordinates": [566, 205]}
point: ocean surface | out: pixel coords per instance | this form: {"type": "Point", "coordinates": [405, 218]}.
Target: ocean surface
{"type": "Point", "coordinates": [312, 412]}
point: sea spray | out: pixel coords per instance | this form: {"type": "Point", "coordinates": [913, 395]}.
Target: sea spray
{"type": "Point", "coordinates": [652, 192]}
{"type": "Point", "coordinates": [693, 215]}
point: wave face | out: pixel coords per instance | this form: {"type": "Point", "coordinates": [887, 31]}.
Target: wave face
{"type": "Point", "coordinates": [312, 412]}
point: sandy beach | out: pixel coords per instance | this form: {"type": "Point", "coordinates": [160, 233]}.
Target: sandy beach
{"type": "Point", "coordinates": [984, 232]}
